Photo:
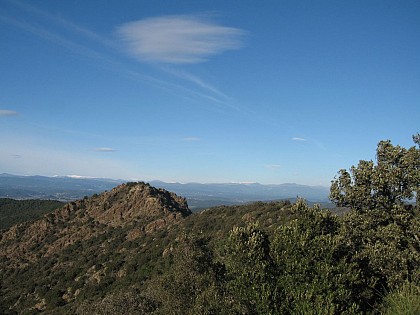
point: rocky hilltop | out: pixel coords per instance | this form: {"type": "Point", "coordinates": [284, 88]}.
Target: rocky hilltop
{"type": "Point", "coordinates": [111, 253]}
{"type": "Point", "coordinates": [137, 207]}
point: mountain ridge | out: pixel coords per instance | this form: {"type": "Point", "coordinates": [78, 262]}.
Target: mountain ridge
{"type": "Point", "coordinates": [139, 206]}
{"type": "Point", "coordinates": [119, 239]}
{"type": "Point", "coordinates": [199, 195]}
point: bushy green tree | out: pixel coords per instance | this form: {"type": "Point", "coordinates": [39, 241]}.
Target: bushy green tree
{"type": "Point", "coordinates": [393, 180]}
{"type": "Point", "coordinates": [385, 246]}
{"type": "Point", "coordinates": [315, 272]}
{"type": "Point", "coordinates": [382, 231]}
{"type": "Point", "coordinates": [251, 271]}
{"type": "Point", "coordinates": [193, 284]}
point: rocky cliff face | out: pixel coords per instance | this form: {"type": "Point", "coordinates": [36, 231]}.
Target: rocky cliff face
{"type": "Point", "coordinates": [138, 207]}
{"type": "Point", "coordinates": [135, 201]}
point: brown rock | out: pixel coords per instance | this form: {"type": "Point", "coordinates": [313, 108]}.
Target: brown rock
{"type": "Point", "coordinates": [141, 207]}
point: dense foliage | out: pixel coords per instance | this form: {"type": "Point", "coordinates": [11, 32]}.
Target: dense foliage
{"type": "Point", "coordinates": [307, 266]}
{"type": "Point", "coordinates": [17, 211]}
{"type": "Point", "coordinates": [392, 181]}
{"type": "Point", "coordinates": [261, 258]}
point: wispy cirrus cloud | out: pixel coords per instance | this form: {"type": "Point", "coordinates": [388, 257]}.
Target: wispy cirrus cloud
{"type": "Point", "coordinates": [178, 39]}
{"type": "Point", "coordinates": [6, 112]}
{"type": "Point", "coordinates": [298, 139]}
{"type": "Point", "coordinates": [104, 149]}
{"type": "Point", "coordinates": [196, 80]}
{"type": "Point", "coordinates": [182, 39]}
{"type": "Point", "coordinates": [56, 38]}
{"type": "Point", "coordinates": [64, 23]}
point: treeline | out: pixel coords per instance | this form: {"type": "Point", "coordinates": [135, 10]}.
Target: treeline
{"type": "Point", "coordinates": [18, 211]}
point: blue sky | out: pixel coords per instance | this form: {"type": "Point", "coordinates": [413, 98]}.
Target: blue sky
{"type": "Point", "coordinates": [205, 91]}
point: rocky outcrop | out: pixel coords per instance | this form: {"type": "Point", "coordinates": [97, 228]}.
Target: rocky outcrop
{"type": "Point", "coordinates": [139, 206]}
{"type": "Point", "coordinates": [133, 201]}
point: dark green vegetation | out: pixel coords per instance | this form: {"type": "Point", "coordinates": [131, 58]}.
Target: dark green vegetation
{"type": "Point", "coordinates": [261, 258]}
{"type": "Point", "coordinates": [18, 211]}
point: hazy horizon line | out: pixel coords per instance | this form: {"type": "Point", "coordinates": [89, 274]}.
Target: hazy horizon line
{"type": "Point", "coordinates": [125, 180]}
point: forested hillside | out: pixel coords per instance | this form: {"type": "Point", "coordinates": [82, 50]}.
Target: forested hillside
{"type": "Point", "coordinates": [18, 211]}
{"type": "Point", "coordinates": [139, 250]}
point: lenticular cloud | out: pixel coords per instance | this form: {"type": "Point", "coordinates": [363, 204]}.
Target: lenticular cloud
{"type": "Point", "coordinates": [178, 39]}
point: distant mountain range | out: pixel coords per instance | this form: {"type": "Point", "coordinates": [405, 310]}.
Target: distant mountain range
{"type": "Point", "coordinates": [68, 188]}
{"type": "Point", "coordinates": [236, 193]}
{"type": "Point", "coordinates": [64, 188]}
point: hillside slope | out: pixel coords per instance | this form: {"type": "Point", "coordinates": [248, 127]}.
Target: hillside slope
{"type": "Point", "coordinates": [17, 211]}
{"type": "Point", "coordinates": [77, 246]}
{"type": "Point", "coordinates": [139, 250]}
{"type": "Point", "coordinates": [98, 246]}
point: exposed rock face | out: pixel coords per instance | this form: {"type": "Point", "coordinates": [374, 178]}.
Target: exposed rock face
{"type": "Point", "coordinates": [133, 201]}
{"type": "Point", "coordinates": [139, 205]}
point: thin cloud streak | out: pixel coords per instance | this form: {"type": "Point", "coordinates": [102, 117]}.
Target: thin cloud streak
{"type": "Point", "coordinates": [208, 92]}
{"type": "Point", "coordinates": [94, 55]}
{"type": "Point", "coordinates": [178, 39]}
{"type": "Point", "coordinates": [170, 87]}
{"type": "Point", "coordinates": [106, 150]}
{"type": "Point", "coordinates": [57, 39]}
{"type": "Point", "coordinates": [298, 139]}
{"type": "Point", "coordinates": [65, 23]}
{"type": "Point", "coordinates": [196, 80]}
{"type": "Point", "coordinates": [6, 112]}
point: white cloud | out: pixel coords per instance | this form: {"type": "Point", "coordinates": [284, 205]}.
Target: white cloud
{"type": "Point", "coordinates": [217, 38]}
{"type": "Point", "coordinates": [104, 149]}
{"type": "Point", "coordinates": [6, 112]}
{"type": "Point", "coordinates": [298, 139]}
{"type": "Point", "coordinates": [178, 39]}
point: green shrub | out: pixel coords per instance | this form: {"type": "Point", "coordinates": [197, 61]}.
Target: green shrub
{"type": "Point", "coordinates": [404, 301]}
